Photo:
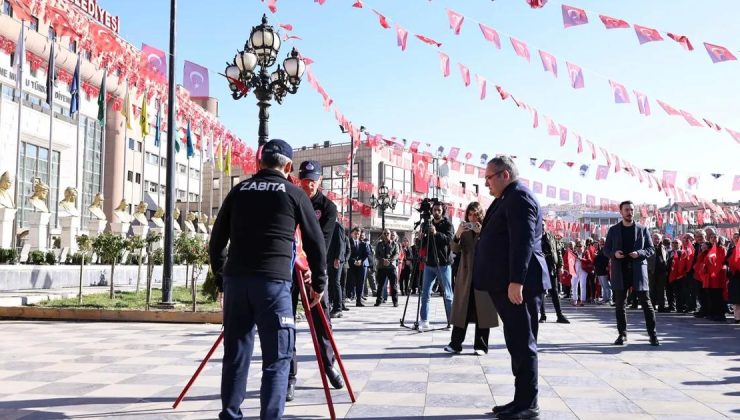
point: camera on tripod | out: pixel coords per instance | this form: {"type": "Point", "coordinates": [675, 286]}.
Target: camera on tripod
{"type": "Point", "coordinates": [425, 207]}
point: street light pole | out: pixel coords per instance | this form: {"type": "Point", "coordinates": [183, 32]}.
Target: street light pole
{"type": "Point", "coordinates": [264, 96]}
{"type": "Point", "coordinates": [383, 202]}
{"type": "Point", "coordinates": [169, 259]}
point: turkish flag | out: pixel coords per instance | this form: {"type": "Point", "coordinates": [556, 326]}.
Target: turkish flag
{"type": "Point", "coordinates": [590, 200]}
{"type": "Point", "coordinates": [520, 48]}
{"type": "Point", "coordinates": [382, 20]}
{"type": "Point", "coordinates": [593, 149]}
{"type": "Point", "coordinates": [414, 148]}
{"type": "Point", "coordinates": [576, 76]}
{"type": "Point", "coordinates": [401, 36]}
{"type": "Point", "coordinates": [617, 164]}
{"type": "Point", "coordinates": [564, 194]}
{"type": "Point", "coordinates": [272, 5]}
{"type": "Point", "coordinates": [580, 144]}
{"type": "Point", "coordinates": [536, 4]}
{"type": "Point", "coordinates": [537, 187]}
{"type": "Point", "coordinates": [547, 165]}
{"type": "Point", "coordinates": [444, 63]}
{"type": "Point", "coordinates": [465, 74]}
{"type": "Point", "coordinates": [455, 165]}
{"type": "Point", "coordinates": [613, 23]}
{"type": "Point", "coordinates": [642, 103]}
{"type": "Point", "coordinates": [606, 156]}
{"type": "Point", "coordinates": [367, 211]}
{"type": "Point", "coordinates": [535, 122]}
{"type": "Point", "coordinates": [469, 169]}
{"type": "Point", "coordinates": [604, 204]}
{"type": "Point", "coordinates": [667, 108]}
{"type": "Point", "coordinates": [456, 21]}
{"type": "Point", "coordinates": [602, 172]}
{"type": "Point", "coordinates": [552, 129]}
{"type": "Point", "coordinates": [195, 79]}
{"type": "Point", "coordinates": [549, 62]}
{"type": "Point", "coordinates": [490, 35]}
{"type": "Point", "coordinates": [57, 18]}
{"type": "Point", "coordinates": [718, 53]}
{"type": "Point", "coordinates": [504, 94]}
{"type": "Point", "coordinates": [481, 87]}
{"type": "Point", "coordinates": [690, 119]}
{"type": "Point", "coordinates": [428, 40]}
{"type": "Point", "coordinates": [103, 39]}
{"type": "Point", "coordinates": [563, 134]}
{"type": "Point", "coordinates": [577, 198]}
{"type": "Point", "coordinates": [551, 191]}
{"type": "Point", "coordinates": [22, 9]}
{"type": "Point", "coordinates": [153, 63]}
{"type": "Point", "coordinates": [669, 179]}
{"type": "Point", "coordinates": [735, 135]}
{"type": "Point", "coordinates": [683, 40]}
{"type": "Point", "coordinates": [645, 35]}
{"type": "Point", "coordinates": [573, 16]}
{"type": "Point", "coordinates": [358, 4]}
{"type": "Point", "coordinates": [421, 175]}
{"type": "Point", "coordinates": [454, 151]}
{"type": "Point", "coordinates": [736, 183]}
{"type": "Point", "coordinates": [620, 93]}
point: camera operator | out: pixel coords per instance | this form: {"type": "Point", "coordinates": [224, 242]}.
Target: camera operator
{"type": "Point", "coordinates": [257, 277]}
{"type": "Point", "coordinates": [387, 253]}
{"type": "Point", "coordinates": [437, 240]}
{"type": "Point", "coordinates": [325, 211]}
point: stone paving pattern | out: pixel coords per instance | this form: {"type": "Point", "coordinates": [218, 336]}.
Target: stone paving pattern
{"type": "Point", "coordinates": [135, 370]}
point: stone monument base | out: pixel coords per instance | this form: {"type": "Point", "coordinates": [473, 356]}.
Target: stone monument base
{"type": "Point", "coordinates": [38, 232]}
{"type": "Point", "coordinates": [6, 227]}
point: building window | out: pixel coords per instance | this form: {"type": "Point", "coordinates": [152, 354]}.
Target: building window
{"type": "Point", "coordinates": [131, 144]}
{"type": "Point", "coordinates": [8, 92]}
{"type": "Point", "coordinates": [7, 9]}
{"type": "Point", "coordinates": [181, 195]}
{"type": "Point", "coordinates": [130, 176]}
{"type": "Point", "coordinates": [182, 168]}
{"type": "Point", "coordinates": [163, 162]}
{"type": "Point", "coordinates": [34, 163]}
{"type": "Point", "coordinates": [475, 189]}
{"type": "Point", "coordinates": [151, 158]}
{"type": "Point", "coordinates": [216, 183]}
{"type": "Point", "coordinates": [73, 46]}
{"type": "Point", "coordinates": [398, 181]}
{"type": "Point", "coordinates": [138, 178]}
{"type": "Point", "coordinates": [335, 180]}
{"type": "Point", "coordinates": [462, 184]}
{"type": "Point", "coordinates": [88, 55]}
{"type": "Point", "coordinates": [34, 23]}
{"type": "Point", "coordinates": [91, 169]}
{"type": "Point", "coordinates": [51, 34]}
{"type": "Point", "coordinates": [196, 173]}
{"type": "Point", "coordinates": [139, 146]}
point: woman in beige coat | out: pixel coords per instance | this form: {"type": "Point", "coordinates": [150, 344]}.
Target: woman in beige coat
{"type": "Point", "coordinates": [468, 304]}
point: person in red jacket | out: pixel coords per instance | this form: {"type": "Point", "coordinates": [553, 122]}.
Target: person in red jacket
{"type": "Point", "coordinates": [569, 269]}
{"type": "Point", "coordinates": [715, 278]}
{"type": "Point", "coordinates": [733, 286]}
{"type": "Point", "coordinates": [583, 264]}
{"type": "Point", "coordinates": [676, 272]}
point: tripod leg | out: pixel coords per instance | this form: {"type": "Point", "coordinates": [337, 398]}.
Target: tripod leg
{"type": "Point", "coordinates": [330, 334]}
{"type": "Point", "coordinates": [197, 371]}
{"type": "Point", "coordinates": [312, 328]}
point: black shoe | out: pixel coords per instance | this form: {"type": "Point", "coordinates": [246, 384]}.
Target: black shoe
{"type": "Point", "coordinates": [663, 310]}
{"type": "Point", "coordinates": [499, 408]}
{"type": "Point", "coordinates": [543, 318]}
{"type": "Point", "coordinates": [290, 396]}
{"type": "Point", "coordinates": [335, 314]}
{"type": "Point", "coordinates": [345, 308]}
{"type": "Point", "coordinates": [395, 304]}
{"type": "Point", "coordinates": [364, 298]}
{"type": "Point", "coordinates": [359, 303]}
{"type": "Point", "coordinates": [377, 303]}
{"type": "Point", "coordinates": [620, 340]}
{"type": "Point", "coordinates": [562, 320]}
{"type": "Point", "coordinates": [699, 314]}
{"type": "Point", "coordinates": [335, 378]}
{"type": "Point", "coordinates": [654, 341]}
{"type": "Point", "coordinates": [514, 413]}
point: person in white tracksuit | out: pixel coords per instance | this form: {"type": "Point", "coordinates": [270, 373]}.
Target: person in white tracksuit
{"type": "Point", "coordinates": [581, 275]}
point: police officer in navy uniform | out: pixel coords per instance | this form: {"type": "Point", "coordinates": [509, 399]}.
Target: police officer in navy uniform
{"type": "Point", "coordinates": [258, 220]}
{"type": "Point", "coordinates": [309, 174]}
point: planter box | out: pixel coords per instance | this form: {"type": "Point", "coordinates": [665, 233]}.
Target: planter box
{"type": "Point", "coordinates": [69, 314]}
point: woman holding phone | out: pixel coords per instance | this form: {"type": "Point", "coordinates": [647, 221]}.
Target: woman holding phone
{"type": "Point", "coordinates": [468, 304]}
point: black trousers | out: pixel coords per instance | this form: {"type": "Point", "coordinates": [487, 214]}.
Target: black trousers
{"type": "Point", "coordinates": [327, 352]}
{"type": "Point", "coordinates": [520, 333]}
{"type": "Point", "coordinates": [701, 295]}
{"type": "Point", "coordinates": [387, 275]}
{"type": "Point", "coordinates": [647, 308]}
{"type": "Point", "coordinates": [657, 286]}
{"type": "Point", "coordinates": [405, 279]}
{"type": "Point", "coordinates": [481, 334]}
{"type": "Point", "coordinates": [356, 281]}
{"type": "Point", "coordinates": [553, 295]}
{"type": "Point", "coordinates": [673, 295]}
{"type": "Point", "coordinates": [716, 306]}
{"type": "Point", "coordinates": [335, 288]}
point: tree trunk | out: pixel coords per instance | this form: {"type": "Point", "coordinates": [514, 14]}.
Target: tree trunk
{"type": "Point", "coordinates": [194, 288]}
{"type": "Point", "coordinates": [82, 267]}
{"type": "Point", "coordinates": [138, 274]}
{"type": "Point", "coordinates": [187, 274]}
{"type": "Point", "coordinates": [149, 271]}
{"type": "Point", "coordinates": [112, 274]}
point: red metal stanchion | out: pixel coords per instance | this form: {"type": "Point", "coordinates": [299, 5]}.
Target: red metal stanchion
{"type": "Point", "coordinates": [200, 368]}
{"type": "Point", "coordinates": [337, 356]}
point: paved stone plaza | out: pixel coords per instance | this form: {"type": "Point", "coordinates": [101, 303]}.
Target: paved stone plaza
{"type": "Point", "coordinates": [117, 370]}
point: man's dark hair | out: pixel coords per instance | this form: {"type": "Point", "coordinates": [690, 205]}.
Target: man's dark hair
{"type": "Point", "coordinates": [625, 203]}
{"type": "Point", "coordinates": [505, 163]}
{"type": "Point", "coordinates": [356, 229]}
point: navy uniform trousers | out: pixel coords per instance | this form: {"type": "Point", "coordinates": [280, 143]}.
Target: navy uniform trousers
{"type": "Point", "coordinates": [251, 301]}
{"type": "Point", "coordinates": [520, 333]}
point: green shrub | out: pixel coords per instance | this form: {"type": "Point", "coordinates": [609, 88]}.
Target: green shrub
{"type": "Point", "coordinates": [57, 242]}
{"type": "Point", "coordinates": [12, 256]}
{"type": "Point", "coordinates": [3, 255]}
{"type": "Point", "coordinates": [133, 259]}
{"type": "Point", "coordinates": [76, 259]}
{"type": "Point", "coordinates": [209, 287]}
{"type": "Point", "coordinates": [157, 257]}
{"type": "Point", "coordinates": [37, 257]}
{"type": "Point", "coordinates": [51, 258]}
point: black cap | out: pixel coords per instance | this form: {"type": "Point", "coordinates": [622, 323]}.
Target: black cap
{"type": "Point", "coordinates": [277, 146]}
{"type": "Point", "coordinates": [310, 169]}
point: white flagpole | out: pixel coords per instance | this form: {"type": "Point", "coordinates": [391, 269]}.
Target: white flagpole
{"type": "Point", "coordinates": [159, 160]}
{"type": "Point", "coordinates": [50, 99]}
{"type": "Point", "coordinates": [20, 59]}
{"type": "Point", "coordinates": [210, 180]}
{"type": "Point", "coordinates": [125, 151]}
{"type": "Point", "coordinates": [143, 158]}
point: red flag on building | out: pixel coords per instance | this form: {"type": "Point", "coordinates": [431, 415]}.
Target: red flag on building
{"type": "Point", "coordinates": [454, 151]}
{"type": "Point", "coordinates": [564, 194]}
{"type": "Point", "coordinates": [549, 62]}
{"type": "Point", "coordinates": [195, 79]}
{"type": "Point", "coordinates": [613, 23]}
{"type": "Point", "coordinates": [469, 169]}
{"type": "Point", "coordinates": [577, 197]}
{"type": "Point", "coordinates": [645, 35]}
{"type": "Point", "coordinates": [573, 16]}
{"type": "Point", "coordinates": [490, 35]}
{"type": "Point", "coordinates": [103, 39]}
{"type": "Point", "coordinates": [620, 93]}
{"type": "Point", "coordinates": [520, 48]}
{"type": "Point", "coordinates": [590, 200]}
{"type": "Point", "coordinates": [456, 21]}
{"type": "Point", "coordinates": [718, 53]}
{"type": "Point", "coordinates": [421, 175]}
{"type": "Point", "coordinates": [576, 76]}
{"type": "Point", "coordinates": [153, 63]}
{"type": "Point", "coordinates": [57, 18]}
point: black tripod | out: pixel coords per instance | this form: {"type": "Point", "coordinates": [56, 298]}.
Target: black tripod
{"type": "Point", "coordinates": [426, 243]}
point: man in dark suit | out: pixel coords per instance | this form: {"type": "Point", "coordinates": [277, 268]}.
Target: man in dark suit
{"type": "Point", "coordinates": [509, 264]}
{"type": "Point", "coordinates": [628, 246]}
{"type": "Point", "coordinates": [358, 263]}
{"type": "Point", "coordinates": [336, 257]}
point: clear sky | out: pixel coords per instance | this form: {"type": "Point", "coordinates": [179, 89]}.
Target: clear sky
{"type": "Point", "coordinates": [403, 94]}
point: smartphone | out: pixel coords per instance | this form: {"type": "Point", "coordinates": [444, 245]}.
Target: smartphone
{"type": "Point", "coordinates": [469, 226]}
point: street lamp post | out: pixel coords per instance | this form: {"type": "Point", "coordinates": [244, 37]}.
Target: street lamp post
{"type": "Point", "coordinates": [261, 50]}
{"type": "Point", "coordinates": [383, 202]}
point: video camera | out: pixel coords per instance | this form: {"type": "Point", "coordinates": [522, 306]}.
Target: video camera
{"type": "Point", "coordinates": [425, 207]}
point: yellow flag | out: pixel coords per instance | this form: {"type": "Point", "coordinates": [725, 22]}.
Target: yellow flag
{"type": "Point", "coordinates": [219, 156]}
{"type": "Point", "coordinates": [227, 163]}
{"type": "Point", "coordinates": [126, 110]}
{"type": "Point", "coordinates": [144, 118]}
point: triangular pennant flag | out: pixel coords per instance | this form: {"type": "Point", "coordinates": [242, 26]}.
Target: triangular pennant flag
{"type": "Point", "coordinates": [456, 21]}
{"type": "Point", "coordinates": [520, 48]}
{"type": "Point", "coordinates": [444, 63]}
{"type": "Point", "coordinates": [465, 74]}
{"type": "Point", "coordinates": [490, 35]}
{"type": "Point", "coordinates": [576, 76]}
{"type": "Point", "coordinates": [401, 36]}
{"type": "Point", "coordinates": [481, 86]}
{"type": "Point", "coordinates": [642, 103]}
{"type": "Point", "coordinates": [549, 62]}
{"type": "Point", "coordinates": [681, 39]}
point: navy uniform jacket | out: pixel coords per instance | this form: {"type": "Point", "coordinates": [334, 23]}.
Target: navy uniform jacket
{"type": "Point", "coordinates": [338, 246]}
{"type": "Point", "coordinates": [643, 247]}
{"type": "Point", "coordinates": [359, 253]}
{"type": "Point", "coordinates": [509, 248]}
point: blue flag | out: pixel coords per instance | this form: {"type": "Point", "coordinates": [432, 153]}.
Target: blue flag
{"type": "Point", "coordinates": [157, 131]}
{"type": "Point", "coordinates": [191, 149]}
{"type": "Point", "coordinates": [74, 90]}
